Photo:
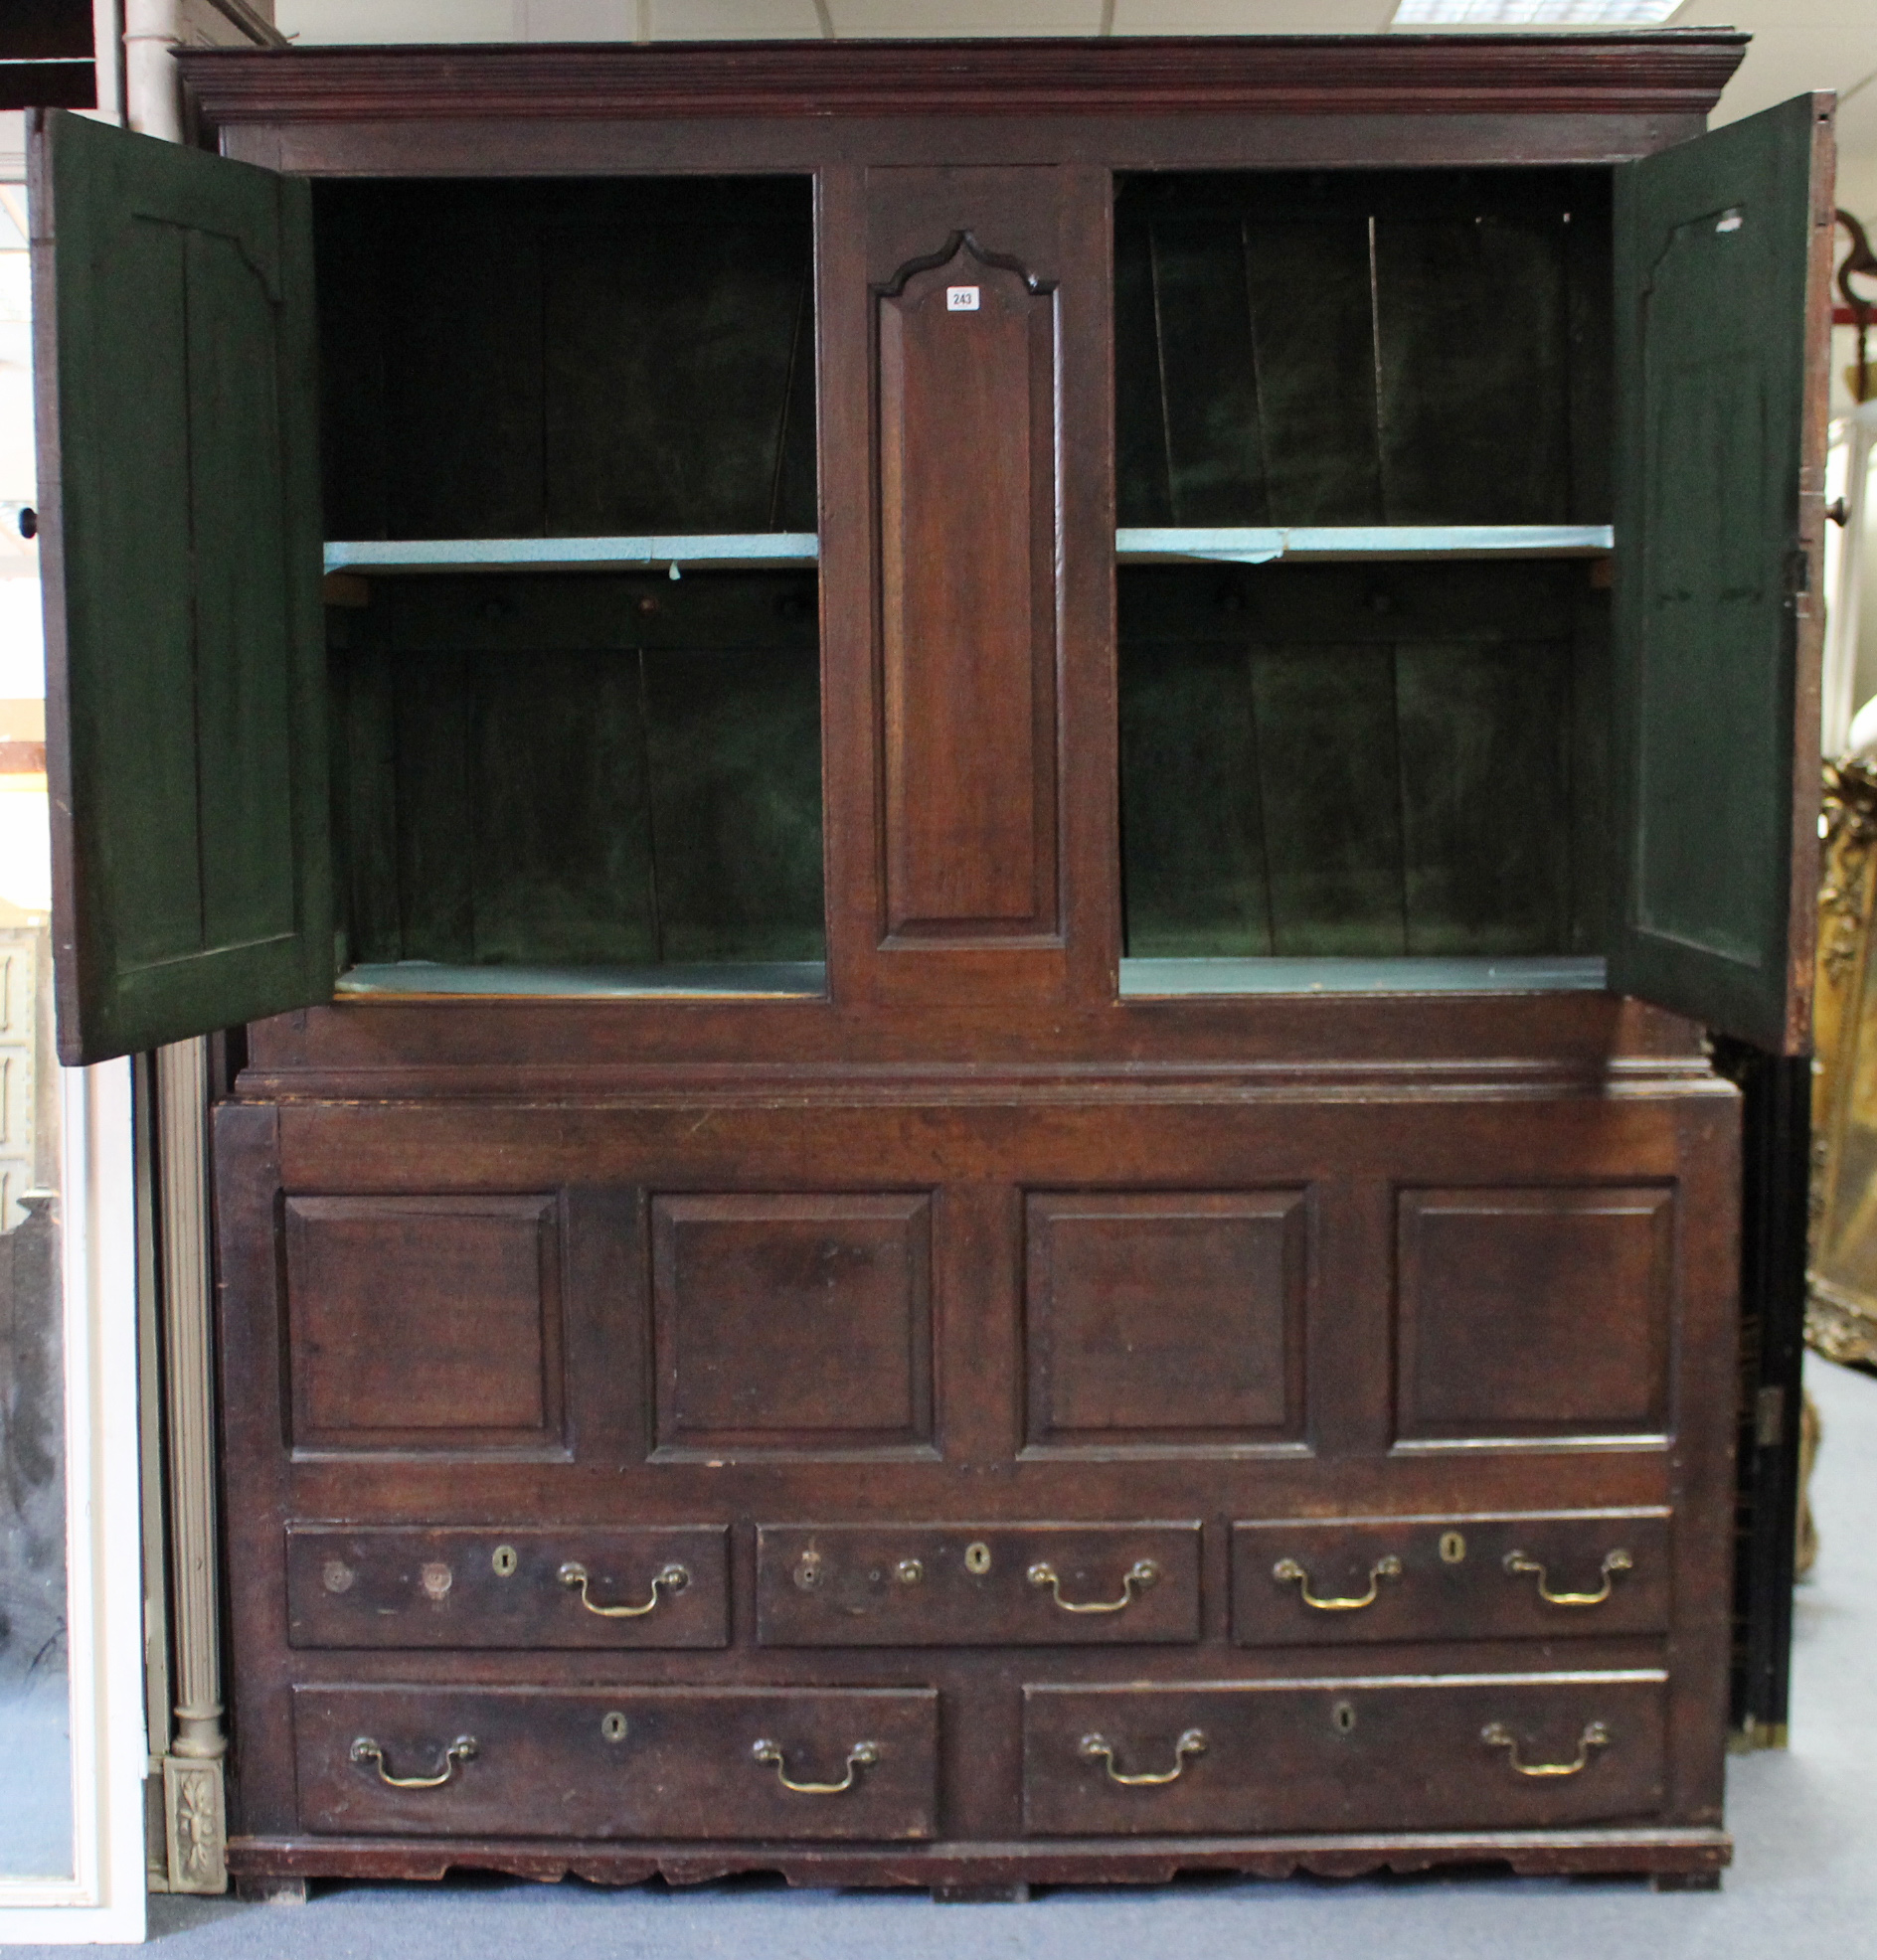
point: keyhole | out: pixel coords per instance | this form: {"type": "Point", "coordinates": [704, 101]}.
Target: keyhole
{"type": "Point", "coordinates": [612, 1725]}
{"type": "Point", "coordinates": [978, 1557]}
{"type": "Point", "coordinates": [1452, 1547]}
{"type": "Point", "coordinates": [1344, 1715]}
{"type": "Point", "coordinates": [808, 1571]}
{"type": "Point", "coordinates": [504, 1561]}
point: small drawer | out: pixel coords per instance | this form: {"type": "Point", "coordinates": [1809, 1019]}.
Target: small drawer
{"type": "Point", "coordinates": [1303, 1580]}
{"type": "Point", "coordinates": [977, 1585]}
{"type": "Point", "coordinates": [571, 1587]}
{"type": "Point", "coordinates": [618, 1762]}
{"type": "Point", "coordinates": [1410, 1753]}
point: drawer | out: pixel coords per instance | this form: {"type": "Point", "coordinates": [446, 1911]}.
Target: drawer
{"type": "Point", "coordinates": [977, 1585]}
{"type": "Point", "coordinates": [570, 1586]}
{"type": "Point", "coordinates": [1369, 1753]}
{"type": "Point", "coordinates": [618, 1762]}
{"type": "Point", "coordinates": [1301, 1581]}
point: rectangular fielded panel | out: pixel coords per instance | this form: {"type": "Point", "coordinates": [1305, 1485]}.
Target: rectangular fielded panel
{"type": "Point", "coordinates": [967, 500]}
{"type": "Point", "coordinates": [1165, 1317]}
{"type": "Point", "coordinates": [793, 1324]}
{"type": "Point", "coordinates": [424, 1323]}
{"type": "Point", "coordinates": [1542, 1311]}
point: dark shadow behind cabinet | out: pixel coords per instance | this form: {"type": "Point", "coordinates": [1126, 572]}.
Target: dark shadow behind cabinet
{"type": "Point", "coordinates": [974, 1146]}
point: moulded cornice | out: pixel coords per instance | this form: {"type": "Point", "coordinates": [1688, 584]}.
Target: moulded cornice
{"type": "Point", "coordinates": [1676, 73]}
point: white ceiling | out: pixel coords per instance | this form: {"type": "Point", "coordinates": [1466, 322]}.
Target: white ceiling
{"type": "Point", "coordinates": [1797, 44]}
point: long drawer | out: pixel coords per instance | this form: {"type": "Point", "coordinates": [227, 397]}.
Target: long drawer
{"type": "Point", "coordinates": [618, 1762]}
{"type": "Point", "coordinates": [972, 1585]}
{"type": "Point", "coordinates": [1303, 1580]}
{"type": "Point", "coordinates": [1407, 1753]}
{"type": "Point", "coordinates": [569, 1586]}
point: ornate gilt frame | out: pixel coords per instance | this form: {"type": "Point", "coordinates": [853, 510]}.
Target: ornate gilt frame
{"type": "Point", "coordinates": [1842, 1310]}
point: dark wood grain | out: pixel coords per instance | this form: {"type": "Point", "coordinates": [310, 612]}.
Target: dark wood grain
{"type": "Point", "coordinates": [916, 1584]}
{"type": "Point", "coordinates": [1165, 1317]}
{"type": "Point", "coordinates": [1451, 1583]}
{"type": "Point", "coordinates": [390, 1587]}
{"type": "Point", "coordinates": [971, 1250]}
{"type": "Point", "coordinates": [793, 1324]}
{"type": "Point", "coordinates": [423, 1323]}
{"type": "Point", "coordinates": [684, 1764]}
{"type": "Point", "coordinates": [1342, 1753]}
{"type": "Point", "coordinates": [1510, 75]}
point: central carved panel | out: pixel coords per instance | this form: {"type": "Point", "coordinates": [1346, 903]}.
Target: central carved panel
{"type": "Point", "coordinates": [967, 523]}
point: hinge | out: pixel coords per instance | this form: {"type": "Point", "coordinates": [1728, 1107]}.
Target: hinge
{"type": "Point", "coordinates": [1798, 571]}
{"type": "Point", "coordinates": [1770, 1419]}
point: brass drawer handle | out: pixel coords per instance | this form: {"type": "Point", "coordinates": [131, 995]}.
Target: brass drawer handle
{"type": "Point", "coordinates": [674, 1579]}
{"type": "Point", "coordinates": [1516, 1562]}
{"type": "Point", "coordinates": [860, 1756]}
{"type": "Point", "coordinates": [1141, 1574]}
{"type": "Point", "coordinates": [1287, 1570]}
{"type": "Point", "coordinates": [1596, 1736]}
{"type": "Point", "coordinates": [461, 1751]}
{"type": "Point", "coordinates": [1097, 1749]}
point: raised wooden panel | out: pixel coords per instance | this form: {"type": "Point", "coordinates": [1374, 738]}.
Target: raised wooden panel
{"type": "Point", "coordinates": [1541, 1312]}
{"type": "Point", "coordinates": [967, 522]}
{"type": "Point", "coordinates": [793, 1324]}
{"type": "Point", "coordinates": [424, 1323]}
{"type": "Point", "coordinates": [1171, 1317]}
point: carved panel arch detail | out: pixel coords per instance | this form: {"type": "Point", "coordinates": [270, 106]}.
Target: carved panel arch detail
{"type": "Point", "coordinates": [968, 509]}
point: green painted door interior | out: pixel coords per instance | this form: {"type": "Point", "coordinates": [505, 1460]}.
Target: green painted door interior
{"type": "Point", "coordinates": [181, 557]}
{"type": "Point", "coordinates": [1717, 724]}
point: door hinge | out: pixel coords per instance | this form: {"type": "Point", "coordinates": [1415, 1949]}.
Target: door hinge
{"type": "Point", "coordinates": [1770, 1419]}
{"type": "Point", "coordinates": [1798, 571]}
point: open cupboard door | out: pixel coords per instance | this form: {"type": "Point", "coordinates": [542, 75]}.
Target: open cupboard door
{"type": "Point", "coordinates": [1723, 267]}
{"type": "Point", "coordinates": [180, 528]}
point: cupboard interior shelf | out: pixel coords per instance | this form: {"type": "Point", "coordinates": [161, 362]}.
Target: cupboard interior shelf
{"type": "Point", "coordinates": [779, 550]}
{"type": "Point", "coordinates": [1242, 545]}
{"type": "Point", "coordinates": [433, 979]}
{"type": "Point", "coordinates": [1161, 979]}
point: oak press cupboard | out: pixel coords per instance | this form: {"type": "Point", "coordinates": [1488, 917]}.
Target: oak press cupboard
{"type": "Point", "coordinates": [976, 805]}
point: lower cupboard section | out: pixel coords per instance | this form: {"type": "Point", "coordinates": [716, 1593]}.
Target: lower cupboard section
{"type": "Point", "coordinates": [618, 1762]}
{"type": "Point", "coordinates": [1406, 1753]}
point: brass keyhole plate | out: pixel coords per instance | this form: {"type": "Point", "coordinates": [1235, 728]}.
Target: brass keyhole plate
{"type": "Point", "coordinates": [504, 1561]}
{"type": "Point", "coordinates": [1452, 1547]}
{"type": "Point", "coordinates": [978, 1557]}
{"type": "Point", "coordinates": [1344, 1715]}
{"type": "Point", "coordinates": [612, 1725]}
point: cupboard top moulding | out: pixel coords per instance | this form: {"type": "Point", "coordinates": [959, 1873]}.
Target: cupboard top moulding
{"type": "Point", "coordinates": [1135, 103]}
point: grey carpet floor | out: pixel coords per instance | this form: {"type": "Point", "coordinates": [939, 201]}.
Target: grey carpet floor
{"type": "Point", "coordinates": [1804, 1880]}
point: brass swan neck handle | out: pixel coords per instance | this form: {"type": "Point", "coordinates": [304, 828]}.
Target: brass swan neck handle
{"type": "Point", "coordinates": [861, 1756]}
{"type": "Point", "coordinates": [464, 1750]}
{"type": "Point", "coordinates": [674, 1579]}
{"type": "Point", "coordinates": [1517, 1563]}
{"type": "Point", "coordinates": [1141, 1574]}
{"type": "Point", "coordinates": [1596, 1736]}
{"type": "Point", "coordinates": [1097, 1749]}
{"type": "Point", "coordinates": [1286, 1570]}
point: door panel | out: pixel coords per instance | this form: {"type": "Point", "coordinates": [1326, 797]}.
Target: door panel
{"type": "Point", "coordinates": [1723, 262]}
{"type": "Point", "coordinates": [185, 664]}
